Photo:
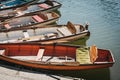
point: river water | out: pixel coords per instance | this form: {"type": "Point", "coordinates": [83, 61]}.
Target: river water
{"type": "Point", "coordinates": [103, 17]}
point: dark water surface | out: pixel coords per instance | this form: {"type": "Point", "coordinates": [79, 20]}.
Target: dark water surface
{"type": "Point", "coordinates": [104, 19]}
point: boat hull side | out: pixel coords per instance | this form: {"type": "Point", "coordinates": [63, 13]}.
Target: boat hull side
{"type": "Point", "coordinates": [54, 67]}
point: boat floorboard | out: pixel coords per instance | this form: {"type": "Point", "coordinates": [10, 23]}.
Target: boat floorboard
{"type": "Point", "coordinates": [45, 58]}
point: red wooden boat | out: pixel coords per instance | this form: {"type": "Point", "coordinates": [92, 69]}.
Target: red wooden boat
{"type": "Point", "coordinates": [56, 56]}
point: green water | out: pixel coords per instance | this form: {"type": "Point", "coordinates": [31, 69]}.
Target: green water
{"type": "Point", "coordinates": [104, 19]}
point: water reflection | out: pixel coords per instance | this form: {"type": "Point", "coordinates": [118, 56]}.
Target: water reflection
{"type": "Point", "coordinates": [80, 41]}
{"type": "Point", "coordinates": [94, 74]}
{"type": "Point", "coordinates": [104, 19]}
{"type": "Point", "coordinates": [112, 9]}
{"type": "Point", "coordinates": [58, 12]}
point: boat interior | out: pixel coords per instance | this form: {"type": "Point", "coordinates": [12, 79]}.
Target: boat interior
{"type": "Point", "coordinates": [26, 9]}
{"type": "Point", "coordinates": [41, 33]}
{"type": "Point", "coordinates": [10, 3]}
{"type": "Point", "coordinates": [56, 54]}
{"type": "Point", "coordinates": [6, 13]}
{"type": "Point", "coordinates": [37, 7]}
{"type": "Point", "coordinates": [28, 20]}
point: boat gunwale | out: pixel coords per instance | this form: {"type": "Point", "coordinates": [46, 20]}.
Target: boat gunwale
{"type": "Point", "coordinates": [35, 27]}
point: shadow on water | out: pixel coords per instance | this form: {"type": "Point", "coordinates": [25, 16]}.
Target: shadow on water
{"type": "Point", "coordinates": [80, 41]}
{"type": "Point", "coordinates": [53, 74]}
{"type": "Point", "coordinates": [93, 74]}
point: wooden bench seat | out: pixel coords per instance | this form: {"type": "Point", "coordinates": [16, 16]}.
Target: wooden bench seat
{"type": "Point", "coordinates": [40, 54]}
{"type": "Point", "coordinates": [2, 52]}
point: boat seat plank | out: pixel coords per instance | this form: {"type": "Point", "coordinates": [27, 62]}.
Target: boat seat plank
{"type": "Point", "coordinates": [71, 27]}
{"type": "Point", "coordinates": [64, 31]}
{"type": "Point", "coordinates": [37, 18]}
{"type": "Point", "coordinates": [26, 35]}
{"type": "Point", "coordinates": [44, 6]}
{"type": "Point", "coordinates": [51, 35]}
{"type": "Point", "coordinates": [40, 54]}
{"type": "Point", "coordinates": [2, 52]}
{"type": "Point", "coordinates": [49, 15]}
{"type": "Point", "coordinates": [19, 13]}
{"type": "Point", "coordinates": [7, 26]}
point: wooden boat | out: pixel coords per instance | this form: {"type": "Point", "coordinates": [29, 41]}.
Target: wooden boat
{"type": "Point", "coordinates": [56, 56]}
{"type": "Point", "coordinates": [38, 19]}
{"type": "Point", "coordinates": [45, 34]}
{"type": "Point", "coordinates": [7, 4]}
{"type": "Point", "coordinates": [29, 9]}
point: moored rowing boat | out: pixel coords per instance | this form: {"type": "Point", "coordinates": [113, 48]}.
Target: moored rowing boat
{"type": "Point", "coordinates": [55, 56]}
{"type": "Point", "coordinates": [37, 19]}
{"type": "Point", "coordinates": [45, 34]}
{"type": "Point", "coordinates": [29, 9]}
